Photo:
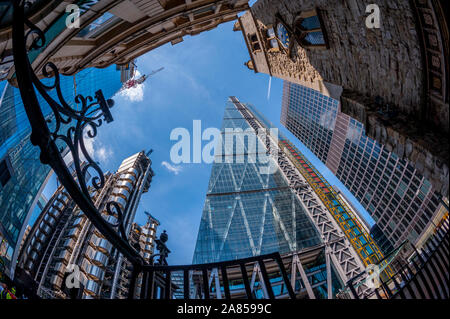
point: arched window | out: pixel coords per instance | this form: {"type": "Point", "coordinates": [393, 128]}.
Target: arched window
{"type": "Point", "coordinates": [309, 31]}
{"type": "Point", "coordinates": [310, 23]}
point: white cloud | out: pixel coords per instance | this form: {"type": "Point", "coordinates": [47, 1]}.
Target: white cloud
{"type": "Point", "coordinates": [96, 150]}
{"type": "Point", "coordinates": [103, 153]}
{"type": "Point", "coordinates": [135, 94]}
{"type": "Point", "coordinates": [171, 168]}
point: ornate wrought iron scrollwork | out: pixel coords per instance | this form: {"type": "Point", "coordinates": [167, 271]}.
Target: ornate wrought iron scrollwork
{"type": "Point", "coordinates": [87, 119]}
{"type": "Point", "coordinates": [114, 209]}
{"type": "Point", "coordinates": [69, 126]}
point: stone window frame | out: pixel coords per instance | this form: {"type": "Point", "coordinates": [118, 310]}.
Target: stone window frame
{"type": "Point", "coordinates": [253, 42]}
{"type": "Point", "coordinates": [292, 30]}
{"type": "Point", "coordinates": [296, 28]}
{"type": "Point", "coordinates": [268, 39]}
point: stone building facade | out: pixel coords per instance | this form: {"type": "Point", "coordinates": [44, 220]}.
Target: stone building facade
{"type": "Point", "coordinates": [112, 31]}
{"type": "Point", "coordinates": [393, 78]}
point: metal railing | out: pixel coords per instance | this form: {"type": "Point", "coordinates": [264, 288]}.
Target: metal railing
{"type": "Point", "coordinates": [68, 129]}
{"type": "Point", "coordinates": [425, 275]}
{"type": "Point", "coordinates": [221, 280]}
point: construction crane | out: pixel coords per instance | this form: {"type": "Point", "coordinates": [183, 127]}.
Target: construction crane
{"type": "Point", "coordinates": [133, 82]}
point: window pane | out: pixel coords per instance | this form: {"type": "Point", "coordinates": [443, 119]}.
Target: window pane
{"type": "Point", "coordinates": [311, 23]}
{"type": "Point", "coordinates": [95, 24]}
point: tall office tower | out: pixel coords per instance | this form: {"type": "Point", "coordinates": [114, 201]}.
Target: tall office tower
{"type": "Point", "coordinates": [273, 203]}
{"type": "Point", "coordinates": [22, 176]}
{"type": "Point", "coordinates": [63, 236]}
{"type": "Point", "coordinates": [381, 239]}
{"type": "Point", "coordinates": [401, 201]}
{"type": "Point", "coordinates": [374, 230]}
{"type": "Point", "coordinates": [144, 238]}
{"type": "Point", "coordinates": [392, 76]}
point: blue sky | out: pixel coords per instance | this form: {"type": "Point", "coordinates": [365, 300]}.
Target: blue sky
{"type": "Point", "coordinates": [199, 74]}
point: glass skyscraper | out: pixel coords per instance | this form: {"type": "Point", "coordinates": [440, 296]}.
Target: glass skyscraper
{"type": "Point", "coordinates": [399, 199]}
{"type": "Point", "coordinates": [248, 212]}
{"type": "Point", "coordinates": [311, 115]}
{"type": "Point", "coordinates": [22, 174]}
{"type": "Point", "coordinates": [290, 208]}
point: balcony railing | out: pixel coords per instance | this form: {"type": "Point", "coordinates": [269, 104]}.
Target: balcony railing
{"type": "Point", "coordinates": [222, 280]}
{"type": "Point", "coordinates": [425, 275]}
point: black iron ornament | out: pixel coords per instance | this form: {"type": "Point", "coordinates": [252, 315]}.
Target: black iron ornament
{"type": "Point", "coordinates": [67, 128]}
{"type": "Point", "coordinates": [162, 248]}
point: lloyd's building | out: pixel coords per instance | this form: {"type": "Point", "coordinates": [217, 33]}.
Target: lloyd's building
{"type": "Point", "coordinates": [264, 196]}
{"type": "Point", "coordinates": [63, 237]}
{"type": "Point", "coordinates": [22, 175]}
